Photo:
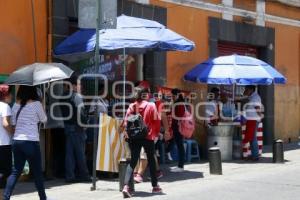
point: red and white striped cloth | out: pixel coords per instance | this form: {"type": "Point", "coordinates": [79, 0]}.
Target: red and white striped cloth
{"type": "Point", "coordinates": [246, 146]}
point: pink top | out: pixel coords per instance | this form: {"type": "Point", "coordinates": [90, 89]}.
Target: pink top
{"type": "Point", "coordinates": [150, 115]}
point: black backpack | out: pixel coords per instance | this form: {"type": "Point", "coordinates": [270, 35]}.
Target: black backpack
{"type": "Point", "coordinates": [136, 127]}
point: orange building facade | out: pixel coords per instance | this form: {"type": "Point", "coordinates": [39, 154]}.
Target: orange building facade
{"type": "Point", "coordinates": [23, 33]}
{"type": "Point", "coordinates": [273, 27]}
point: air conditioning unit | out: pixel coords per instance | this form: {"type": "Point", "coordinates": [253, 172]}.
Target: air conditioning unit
{"type": "Point", "coordinates": [87, 13]}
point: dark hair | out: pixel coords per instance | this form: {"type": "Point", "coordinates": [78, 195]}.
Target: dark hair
{"type": "Point", "coordinates": [214, 90]}
{"type": "Point", "coordinates": [140, 92]}
{"type": "Point", "coordinates": [251, 87]}
{"type": "Point", "coordinates": [73, 80]}
{"type": "Point", "coordinates": [175, 91]}
{"type": "Point", "coordinates": [26, 93]}
{"type": "Point", "coordinates": [180, 98]}
{"type": "Point", "coordinates": [178, 93]}
{"type": "Point", "coordinates": [4, 91]}
{"type": "Point", "coordinates": [137, 83]}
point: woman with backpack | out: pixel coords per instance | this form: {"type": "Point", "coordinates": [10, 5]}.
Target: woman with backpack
{"type": "Point", "coordinates": [142, 136]}
{"type": "Point", "coordinates": [27, 113]}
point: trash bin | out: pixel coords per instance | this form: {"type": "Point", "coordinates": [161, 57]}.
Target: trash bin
{"type": "Point", "coordinates": [221, 136]}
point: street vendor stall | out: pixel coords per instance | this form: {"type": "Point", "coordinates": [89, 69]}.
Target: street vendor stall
{"type": "Point", "coordinates": [234, 70]}
{"type": "Point", "coordinates": [132, 35]}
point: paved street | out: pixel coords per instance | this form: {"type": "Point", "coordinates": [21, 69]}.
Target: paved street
{"type": "Point", "coordinates": [241, 181]}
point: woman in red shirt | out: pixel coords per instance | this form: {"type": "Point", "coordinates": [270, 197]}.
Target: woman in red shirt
{"type": "Point", "coordinates": [152, 121]}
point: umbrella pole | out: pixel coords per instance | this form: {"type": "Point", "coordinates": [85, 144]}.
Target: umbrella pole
{"type": "Point", "coordinates": [124, 81]}
{"type": "Point", "coordinates": [95, 142]}
{"type": "Point", "coordinates": [233, 95]}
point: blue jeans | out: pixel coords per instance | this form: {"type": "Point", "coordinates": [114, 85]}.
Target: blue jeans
{"type": "Point", "coordinates": [5, 163]}
{"type": "Point", "coordinates": [22, 151]}
{"type": "Point", "coordinates": [254, 144]}
{"type": "Point", "coordinates": [75, 152]}
{"type": "Point", "coordinates": [179, 142]}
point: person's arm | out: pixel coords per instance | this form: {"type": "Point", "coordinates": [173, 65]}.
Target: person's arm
{"type": "Point", "coordinates": [41, 112]}
{"type": "Point", "coordinates": [6, 119]}
{"type": "Point", "coordinates": [78, 101]}
{"type": "Point", "coordinates": [7, 125]}
{"type": "Point", "coordinates": [164, 119]}
{"type": "Point", "coordinates": [124, 123]}
{"type": "Point", "coordinates": [258, 110]}
{"type": "Point", "coordinates": [155, 120]}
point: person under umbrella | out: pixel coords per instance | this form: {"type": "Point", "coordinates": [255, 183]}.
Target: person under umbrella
{"type": "Point", "coordinates": [27, 113]}
{"type": "Point", "coordinates": [253, 115]}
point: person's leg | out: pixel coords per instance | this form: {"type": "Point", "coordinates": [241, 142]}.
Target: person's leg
{"type": "Point", "coordinates": [170, 146]}
{"type": "Point", "coordinates": [254, 144]}
{"type": "Point", "coordinates": [5, 163]}
{"type": "Point", "coordinates": [150, 151]}
{"type": "Point", "coordinates": [143, 162]}
{"type": "Point", "coordinates": [83, 172]}
{"type": "Point", "coordinates": [70, 159]}
{"type": "Point", "coordinates": [135, 148]}
{"type": "Point", "coordinates": [181, 152]}
{"type": "Point", "coordinates": [141, 168]}
{"type": "Point", "coordinates": [19, 163]}
{"type": "Point", "coordinates": [33, 154]}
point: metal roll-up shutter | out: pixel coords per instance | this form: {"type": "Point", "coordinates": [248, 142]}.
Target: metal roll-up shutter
{"type": "Point", "coordinates": [228, 48]}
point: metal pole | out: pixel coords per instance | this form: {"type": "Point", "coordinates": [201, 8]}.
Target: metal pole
{"type": "Point", "coordinates": [97, 53]}
{"type": "Point", "coordinates": [233, 95]}
{"type": "Point", "coordinates": [124, 80]}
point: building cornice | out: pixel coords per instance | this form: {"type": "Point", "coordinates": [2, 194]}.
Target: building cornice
{"type": "Point", "coordinates": [220, 8]}
{"type": "Point", "coordinates": [294, 3]}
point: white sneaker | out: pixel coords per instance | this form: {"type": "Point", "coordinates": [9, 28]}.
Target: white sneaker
{"type": "Point", "coordinates": [169, 157]}
{"type": "Point", "coordinates": [177, 169]}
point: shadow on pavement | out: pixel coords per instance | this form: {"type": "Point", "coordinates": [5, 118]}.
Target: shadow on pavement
{"type": "Point", "coordinates": [286, 146]}
{"type": "Point", "coordinates": [186, 175]}
{"type": "Point", "coordinates": [29, 186]}
{"type": "Point", "coordinates": [146, 194]}
{"type": "Point", "coordinates": [262, 160]}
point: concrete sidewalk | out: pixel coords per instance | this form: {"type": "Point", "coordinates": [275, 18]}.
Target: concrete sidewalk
{"type": "Point", "coordinates": [240, 180]}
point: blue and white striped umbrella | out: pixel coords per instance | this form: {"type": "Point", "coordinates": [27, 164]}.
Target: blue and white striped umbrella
{"type": "Point", "coordinates": [235, 69]}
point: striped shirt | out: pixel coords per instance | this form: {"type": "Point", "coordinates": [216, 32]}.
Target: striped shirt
{"type": "Point", "coordinates": [27, 123]}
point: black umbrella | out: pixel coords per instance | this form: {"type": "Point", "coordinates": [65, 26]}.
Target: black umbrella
{"type": "Point", "coordinates": [39, 73]}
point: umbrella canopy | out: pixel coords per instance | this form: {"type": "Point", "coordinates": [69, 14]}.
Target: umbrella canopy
{"type": "Point", "coordinates": [235, 69]}
{"type": "Point", "coordinates": [132, 33]}
{"type": "Point", "coordinates": [39, 73]}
